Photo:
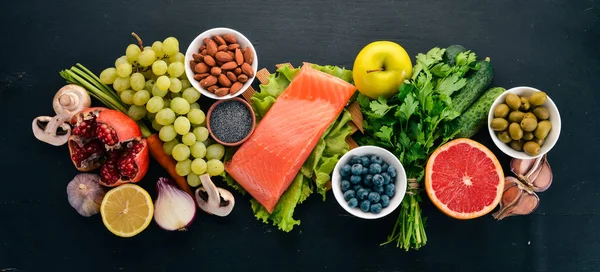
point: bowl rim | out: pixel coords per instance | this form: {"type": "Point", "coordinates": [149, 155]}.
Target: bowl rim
{"type": "Point", "coordinates": [193, 49]}
{"type": "Point", "coordinates": [400, 182]}
{"type": "Point", "coordinates": [214, 105]}
{"type": "Point", "coordinates": [555, 121]}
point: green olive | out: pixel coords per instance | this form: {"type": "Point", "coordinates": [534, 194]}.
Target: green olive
{"type": "Point", "coordinates": [537, 98]}
{"type": "Point", "coordinates": [542, 130]}
{"type": "Point", "coordinates": [515, 131]}
{"type": "Point", "coordinates": [541, 113]}
{"type": "Point", "coordinates": [528, 136]}
{"type": "Point", "coordinates": [513, 101]}
{"type": "Point", "coordinates": [529, 115]}
{"type": "Point", "coordinates": [540, 142]}
{"type": "Point", "coordinates": [531, 148]}
{"type": "Point", "coordinates": [516, 116]}
{"type": "Point", "coordinates": [525, 104]}
{"type": "Point", "coordinates": [517, 145]}
{"type": "Point", "coordinates": [504, 137]}
{"type": "Point", "coordinates": [528, 124]}
{"type": "Point", "coordinates": [499, 124]}
{"type": "Point", "coordinates": [501, 111]}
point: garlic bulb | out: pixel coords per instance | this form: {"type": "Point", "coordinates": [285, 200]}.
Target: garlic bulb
{"type": "Point", "coordinates": [85, 194]}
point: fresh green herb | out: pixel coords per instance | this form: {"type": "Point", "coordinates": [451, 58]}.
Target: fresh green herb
{"type": "Point", "coordinates": [412, 124]}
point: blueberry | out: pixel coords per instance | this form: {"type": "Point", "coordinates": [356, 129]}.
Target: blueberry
{"type": "Point", "coordinates": [386, 178]}
{"type": "Point", "coordinates": [392, 171]}
{"type": "Point", "coordinates": [352, 203]}
{"type": "Point", "coordinates": [345, 170]}
{"type": "Point", "coordinates": [354, 159]}
{"type": "Point", "coordinates": [365, 170]}
{"type": "Point", "coordinates": [384, 167]}
{"type": "Point", "coordinates": [377, 180]}
{"type": "Point", "coordinates": [349, 194]}
{"type": "Point", "coordinates": [357, 169]}
{"type": "Point", "coordinates": [365, 205]}
{"type": "Point", "coordinates": [376, 208]}
{"type": "Point", "coordinates": [376, 159]}
{"type": "Point", "coordinates": [374, 197]}
{"type": "Point", "coordinates": [385, 200]}
{"type": "Point", "coordinates": [374, 168]}
{"type": "Point", "coordinates": [355, 179]}
{"type": "Point", "coordinates": [364, 160]}
{"type": "Point", "coordinates": [345, 185]}
{"type": "Point", "coordinates": [378, 189]}
{"type": "Point", "coordinates": [390, 189]}
{"type": "Point", "coordinates": [357, 187]}
{"type": "Point", "coordinates": [362, 194]}
{"type": "Point", "coordinates": [368, 180]}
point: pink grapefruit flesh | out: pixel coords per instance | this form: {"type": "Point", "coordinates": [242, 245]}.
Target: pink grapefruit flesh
{"type": "Point", "coordinates": [464, 179]}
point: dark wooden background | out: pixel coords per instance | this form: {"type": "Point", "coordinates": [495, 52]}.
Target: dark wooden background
{"type": "Point", "coordinates": [551, 45]}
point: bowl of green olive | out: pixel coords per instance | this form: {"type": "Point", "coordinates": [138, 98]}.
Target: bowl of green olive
{"type": "Point", "coordinates": [524, 123]}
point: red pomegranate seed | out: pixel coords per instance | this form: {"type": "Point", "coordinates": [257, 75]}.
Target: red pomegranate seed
{"type": "Point", "coordinates": [86, 129]}
{"type": "Point", "coordinates": [106, 134]}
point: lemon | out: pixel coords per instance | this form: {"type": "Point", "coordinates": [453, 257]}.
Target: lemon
{"type": "Point", "coordinates": [127, 210]}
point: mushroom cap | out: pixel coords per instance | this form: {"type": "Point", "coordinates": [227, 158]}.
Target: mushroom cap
{"type": "Point", "coordinates": [71, 99]}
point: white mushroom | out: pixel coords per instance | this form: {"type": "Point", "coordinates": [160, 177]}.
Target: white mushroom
{"type": "Point", "coordinates": [68, 101]}
{"type": "Point", "coordinates": [212, 199]}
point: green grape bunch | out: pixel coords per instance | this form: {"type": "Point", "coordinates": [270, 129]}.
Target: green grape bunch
{"type": "Point", "coordinates": [152, 81]}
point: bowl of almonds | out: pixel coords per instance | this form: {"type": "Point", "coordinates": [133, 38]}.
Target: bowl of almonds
{"type": "Point", "coordinates": [221, 63]}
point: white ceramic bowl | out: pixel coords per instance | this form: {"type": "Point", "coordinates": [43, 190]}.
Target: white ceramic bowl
{"type": "Point", "coordinates": [554, 119]}
{"type": "Point", "coordinates": [193, 49]}
{"type": "Point", "coordinates": [399, 181]}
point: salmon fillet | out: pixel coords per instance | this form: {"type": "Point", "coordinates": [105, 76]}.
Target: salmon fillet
{"type": "Point", "coordinates": [266, 164]}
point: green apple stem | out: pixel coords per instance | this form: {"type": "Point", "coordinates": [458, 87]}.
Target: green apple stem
{"type": "Point", "coordinates": [374, 70]}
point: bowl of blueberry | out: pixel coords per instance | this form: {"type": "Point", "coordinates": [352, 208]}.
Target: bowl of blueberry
{"type": "Point", "coordinates": [369, 182]}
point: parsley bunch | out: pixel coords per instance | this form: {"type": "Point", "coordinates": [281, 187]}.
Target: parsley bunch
{"type": "Point", "coordinates": [412, 124]}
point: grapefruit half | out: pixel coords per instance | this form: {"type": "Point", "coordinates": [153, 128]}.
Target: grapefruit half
{"type": "Point", "coordinates": [464, 179]}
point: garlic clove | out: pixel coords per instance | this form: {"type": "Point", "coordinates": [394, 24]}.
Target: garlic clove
{"type": "Point", "coordinates": [520, 167]}
{"type": "Point", "coordinates": [544, 178]}
{"type": "Point", "coordinates": [517, 199]}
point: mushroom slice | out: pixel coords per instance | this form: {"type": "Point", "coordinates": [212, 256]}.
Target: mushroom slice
{"type": "Point", "coordinates": [50, 130]}
{"type": "Point", "coordinates": [212, 199]}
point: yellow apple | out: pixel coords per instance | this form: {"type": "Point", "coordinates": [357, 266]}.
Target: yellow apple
{"type": "Point", "coordinates": [380, 68]}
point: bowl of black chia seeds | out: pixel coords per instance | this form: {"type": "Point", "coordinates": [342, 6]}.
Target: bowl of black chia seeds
{"type": "Point", "coordinates": [230, 122]}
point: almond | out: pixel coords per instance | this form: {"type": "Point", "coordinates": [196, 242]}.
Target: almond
{"type": "Point", "coordinates": [204, 52]}
{"type": "Point", "coordinates": [223, 57]}
{"type": "Point", "coordinates": [237, 71]}
{"type": "Point", "coordinates": [224, 81]}
{"type": "Point", "coordinates": [235, 87]}
{"type": "Point", "coordinates": [220, 41]}
{"type": "Point", "coordinates": [193, 64]}
{"type": "Point", "coordinates": [233, 46]}
{"type": "Point", "coordinates": [248, 56]}
{"type": "Point", "coordinates": [198, 57]}
{"type": "Point", "coordinates": [229, 66]}
{"type": "Point", "coordinates": [208, 81]}
{"type": "Point", "coordinates": [202, 47]}
{"type": "Point", "coordinates": [222, 47]}
{"type": "Point", "coordinates": [247, 69]}
{"type": "Point", "coordinates": [242, 78]}
{"type": "Point", "coordinates": [229, 38]}
{"type": "Point", "coordinates": [209, 61]}
{"type": "Point", "coordinates": [200, 76]}
{"type": "Point", "coordinates": [222, 91]}
{"type": "Point", "coordinates": [211, 47]}
{"type": "Point", "coordinates": [201, 68]}
{"type": "Point", "coordinates": [231, 76]}
{"type": "Point", "coordinates": [239, 58]}
{"type": "Point", "coordinates": [215, 71]}
{"type": "Point", "coordinates": [213, 88]}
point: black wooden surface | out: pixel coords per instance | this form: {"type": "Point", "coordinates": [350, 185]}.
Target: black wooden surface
{"type": "Point", "coordinates": [551, 45]}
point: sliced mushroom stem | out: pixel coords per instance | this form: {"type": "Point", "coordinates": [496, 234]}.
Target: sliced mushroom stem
{"type": "Point", "coordinates": [212, 199]}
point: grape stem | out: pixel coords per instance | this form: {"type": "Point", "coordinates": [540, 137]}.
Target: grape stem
{"type": "Point", "coordinates": [140, 43]}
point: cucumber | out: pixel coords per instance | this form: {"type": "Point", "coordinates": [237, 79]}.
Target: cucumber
{"type": "Point", "coordinates": [452, 51]}
{"type": "Point", "coordinates": [471, 121]}
{"type": "Point", "coordinates": [477, 83]}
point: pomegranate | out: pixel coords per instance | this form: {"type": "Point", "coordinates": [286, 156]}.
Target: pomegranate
{"type": "Point", "coordinates": [109, 140]}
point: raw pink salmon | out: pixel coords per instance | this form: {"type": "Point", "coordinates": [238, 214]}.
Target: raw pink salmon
{"type": "Point", "coordinates": [266, 164]}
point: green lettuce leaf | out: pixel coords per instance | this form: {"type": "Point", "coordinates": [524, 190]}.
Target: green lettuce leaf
{"type": "Point", "coordinates": [284, 210]}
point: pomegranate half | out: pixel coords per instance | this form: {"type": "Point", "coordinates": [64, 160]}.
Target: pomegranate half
{"type": "Point", "coordinates": [109, 140]}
